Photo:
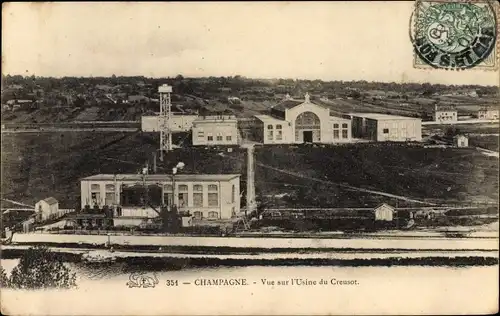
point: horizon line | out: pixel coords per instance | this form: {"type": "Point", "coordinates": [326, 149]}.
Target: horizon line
{"type": "Point", "coordinates": [244, 77]}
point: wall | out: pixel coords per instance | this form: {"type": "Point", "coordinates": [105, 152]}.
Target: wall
{"type": "Point", "coordinates": [203, 130]}
{"type": "Point", "coordinates": [287, 136]}
{"type": "Point", "coordinates": [340, 123]}
{"type": "Point", "coordinates": [321, 112]}
{"type": "Point", "coordinates": [445, 116]}
{"type": "Point", "coordinates": [180, 123]}
{"type": "Point", "coordinates": [488, 115]}
{"type": "Point", "coordinates": [399, 130]}
{"type": "Point", "coordinates": [224, 191]}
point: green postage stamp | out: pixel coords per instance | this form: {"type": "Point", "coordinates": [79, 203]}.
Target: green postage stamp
{"type": "Point", "coordinates": [455, 35]}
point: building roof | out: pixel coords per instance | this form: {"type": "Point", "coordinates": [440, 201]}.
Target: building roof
{"type": "Point", "coordinates": [268, 119]}
{"type": "Point", "coordinates": [162, 177]}
{"type": "Point", "coordinates": [448, 108]}
{"type": "Point", "coordinates": [50, 201]}
{"type": "Point", "coordinates": [338, 118]}
{"type": "Point", "coordinates": [216, 119]}
{"type": "Point", "coordinates": [383, 117]}
{"type": "Point", "coordinates": [384, 205]}
{"type": "Point", "coordinates": [287, 104]}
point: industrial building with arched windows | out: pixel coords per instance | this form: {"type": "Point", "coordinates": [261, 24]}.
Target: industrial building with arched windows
{"type": "Point", "coordinates": [211, 196]}
{"type": "Point", "coordinates": [300, 121]}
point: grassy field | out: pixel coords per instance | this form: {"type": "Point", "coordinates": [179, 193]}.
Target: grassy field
{"type": "Point", "coordinates": [35, 166]}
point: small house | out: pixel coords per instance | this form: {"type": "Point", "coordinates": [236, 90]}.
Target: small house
{"type": "Point", "coordinates": [461, 141]}
{"type": "Point", "coordinates": [384, 212]}
{"type": "Point", "coordinates": [46, 207]}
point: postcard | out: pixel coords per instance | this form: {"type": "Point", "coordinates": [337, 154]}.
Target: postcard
{"type": "Point", "coordinates": [250, 158]}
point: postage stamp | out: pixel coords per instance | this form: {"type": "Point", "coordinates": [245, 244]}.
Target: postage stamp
{"type": "Point", "coordinates": [455, 35]}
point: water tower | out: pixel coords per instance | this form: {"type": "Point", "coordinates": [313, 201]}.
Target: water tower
{"type": "Point", "coordinates": [165, 119]}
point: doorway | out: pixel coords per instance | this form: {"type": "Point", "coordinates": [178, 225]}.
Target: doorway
{"type": "Point", "coordinates": [308, 136]}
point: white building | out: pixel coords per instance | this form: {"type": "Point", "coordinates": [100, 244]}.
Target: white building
{"type": "Point", "coordinates": [179, 123]}
{"type": "Point", "coordinates": [301, 121]}
{"type": "Point", "coordinates": [46, 208]}
{"type": "Point", "coordinates": [213, 196]}
{"type": "Point", "coordinates": [384, 212]}
{"type": "Point", "coordinates": [461, 141]}
{"type": "Point", "coordinates": [385, 127]}
{"type": "Point", "coordinates": [488, 113]}
{"type": "Point", "coordinates": [445, 113]}
{"type": "Point", "coordinates": [215, 130]}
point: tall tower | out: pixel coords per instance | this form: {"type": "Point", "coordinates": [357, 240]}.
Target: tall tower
{"type": "Point", "coordinates": [165, 118]}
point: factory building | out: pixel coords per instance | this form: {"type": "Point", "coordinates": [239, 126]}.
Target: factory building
{"type": "Point", "coordinates": [385, 127]}
{"type": "Point", "coordinates": [488, 113]}
{"type": "Point", "coordinates": [180, 123]}
{"type": "Point", "coordinates": [135, 197]}
{"type": "Point", "coordinates": [215, 130]}
{"type": "Point", "coordinates": [445, 113]}
{"type": "Point", "coordinates": [300, 121]}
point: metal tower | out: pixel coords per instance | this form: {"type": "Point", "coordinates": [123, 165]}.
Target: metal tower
{"type": "Point", "coordinates": [164, 119]}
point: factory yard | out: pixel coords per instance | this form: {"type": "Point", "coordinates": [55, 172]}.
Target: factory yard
{"type": "Point", "coordinates": [35, 166]}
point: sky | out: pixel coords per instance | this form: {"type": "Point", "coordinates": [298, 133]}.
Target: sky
{"type": "Point", "coordinates": [300, 40]}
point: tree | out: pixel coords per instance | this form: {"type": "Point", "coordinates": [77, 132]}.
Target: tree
{"type": "Point", "coordinates": [4, 281]}
{"type": "Point", "coordinates": [39, 268]}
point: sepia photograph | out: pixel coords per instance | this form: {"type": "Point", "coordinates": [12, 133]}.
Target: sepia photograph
{"type": "Point", "coordinates": [250, 158]}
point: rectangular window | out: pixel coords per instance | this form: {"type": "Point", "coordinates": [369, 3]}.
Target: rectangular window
{"type": "Point", "coordinates": [168, 199]}
{"type": "Point", "coordinates": [269, 135]}
{"type": "Point", "coordinates": [96, 198]}
{"type": "Point", "coordinates": [278, 126]}
{"type": "Point", "coordinates": [336, 134]}
{"type": "Point", "coordinates": [335, 125]}
{"type": "Point", "coordinates": [269, 126]}
{"type": "Point", "coordinates": [110, 187]}
{"type": "Point", "coordinates": [279, 135]}
{"type": "Point", "coordinates": [210, 138]}
{"type": "Point", "coordinates": [95, 187]}
{"type": "Point", "coordinates": [233, 194]}
{"type": "Point", "coordinates": [213, 199]}
{"type": "Point", "coordinates": [183, 199]}
{"type": "Point", "coordinates": [344, 125]}
{"type": "Point", "coordinates": [345, 133]}
{"type": "Point", "coordinates": [183, 195]}
{"type": "Point", "coordinates": [228, 138]}
{"type": "Point", "coordinates": [219, 138]}
{"type": "Point", "coordinates": [198, 195]}
{"type": "Point", "coordinates": [213, 195]}
{"type": "Point", "coordinates": [110, 198]}
{"type": "Point", "coordinates": [386, 131]}
{"type": "Point", "coordinates": [201, 134]}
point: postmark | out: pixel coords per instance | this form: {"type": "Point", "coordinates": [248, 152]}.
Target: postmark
{"type": "Point", "coordinates": [455, 35]}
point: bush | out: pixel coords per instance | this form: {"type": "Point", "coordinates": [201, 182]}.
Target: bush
{"type": "Point", "coordinates": [4, 280]}
{"type": "Point", "coordinates": [39, 268]}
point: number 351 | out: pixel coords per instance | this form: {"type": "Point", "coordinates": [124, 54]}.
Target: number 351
{"type": "Point", "coordinates": [172, 283]}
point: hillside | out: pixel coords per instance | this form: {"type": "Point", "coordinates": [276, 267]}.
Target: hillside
{"type": "Point", "coordinates": [35, 166]}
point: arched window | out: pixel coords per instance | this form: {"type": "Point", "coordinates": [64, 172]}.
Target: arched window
{"type": "Point", "coordinates": [307, 120]}
{"type": "Point", "coordinates": [307, 127]}
{"type": "Point", "coordinates": [198, 215]}
{"type": "Point", "coordinates": [213, 215]}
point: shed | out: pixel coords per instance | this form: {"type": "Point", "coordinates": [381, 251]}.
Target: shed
{"type": "Point", "coordinates": [461, 141]}
{"type": "Point", "coordinates": [46, 207]}
{"type": "Point", "coordinates": [384, 212]}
